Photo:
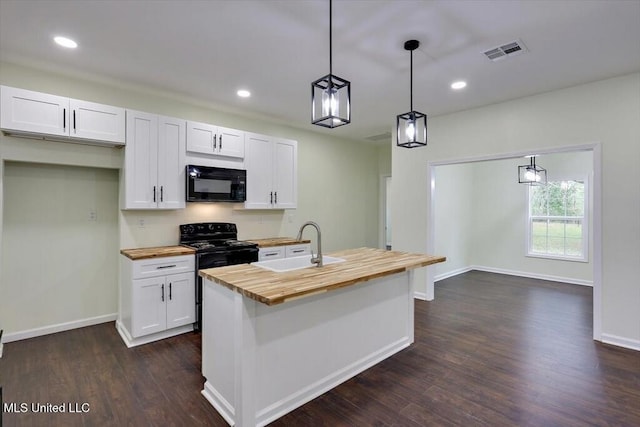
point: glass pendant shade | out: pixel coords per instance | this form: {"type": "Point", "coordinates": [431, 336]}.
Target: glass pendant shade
{"type": "Point", "coordinates": [412, 129]}
{"type": "Point", "coordinates": [330, 95]}
{"type": "Point", "coordinates": [532, 174]}
{"type": "Point", "coordinates": [330, 101]}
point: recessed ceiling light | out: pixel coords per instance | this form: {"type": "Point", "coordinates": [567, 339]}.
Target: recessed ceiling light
{"type": "Point", "coordinates": [458, 85]}
{"type": "Point", "coordinates": [243, 93]}
{"type": "Point", "coordinates": [65, 42]}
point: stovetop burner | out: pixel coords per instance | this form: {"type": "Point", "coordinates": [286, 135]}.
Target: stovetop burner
{"type": "Point", "coordinates": [219, 244]}
{"type": "Point", "coordinates": [212, 237]}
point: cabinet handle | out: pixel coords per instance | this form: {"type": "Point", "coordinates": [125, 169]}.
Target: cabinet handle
{"type": "Point", "coordinates": [154, 194]}
{"type": "Point", "coordinates": [221, 142]}
{"type": "Point", "coordinates": [165, 266]}
{"type": "Point", "coordinates": [64, 118]}
{"type": "Point", "coordinates": [74, 120]}
{"type": "Point", "coordinates": [271, 254]}
{"type": "Point", "coordinates": [170, 291]}
{"type": "Point", "coordinates": [297, 251]}
{"type": "Point", "coordinates": [276, 197]}
{"type": "Point", "coordinates": [214, 141]}
{"type": "Point", "coordinates": [162, 193]}
{"type": "Point", "coordinates": [271, 197]}
{"type": "Point", "coordinates": [162, 292]}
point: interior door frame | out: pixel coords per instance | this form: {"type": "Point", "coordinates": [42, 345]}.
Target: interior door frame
{"type": "Point", "coordinates": [596, 149]}
{"type": "Point", "coordinates": [383, 220]}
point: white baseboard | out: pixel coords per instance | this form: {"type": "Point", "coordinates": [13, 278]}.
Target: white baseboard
{"type": "Point", "coordinates": [514, 273]}
{"type": "Point", "coordinates": [420, 295]}
{"type": "Point", "coordinates": [621, 341]}
{"type": "Point", "coordinates": [533, 275]}
{"type": "Point", "coordinates": [452, 273]}
{"type": "Point", "coordinates": [129, 341]}
{"type": "Point", "coordinates": [60, 327]}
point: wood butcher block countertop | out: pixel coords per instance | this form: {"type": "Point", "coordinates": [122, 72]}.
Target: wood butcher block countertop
{"type": "Point", "coordinates": [157, 252]}
{"type": "Point", "coordinates": [278, 241]}
{"type": "Point", "coordinates": [360, 265]}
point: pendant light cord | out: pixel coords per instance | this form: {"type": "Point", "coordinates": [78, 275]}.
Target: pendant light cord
{"type": "Point", "coordinates": [411, 83]}
{"type": "Point", "coordinates": [330, 39]}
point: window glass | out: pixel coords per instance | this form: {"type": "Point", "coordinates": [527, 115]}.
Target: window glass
{"type": "Point", "coordinates": [557, 225]}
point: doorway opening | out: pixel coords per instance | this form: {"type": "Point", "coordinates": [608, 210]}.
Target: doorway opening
{"type": "Point", "coordinates": [435, 209]}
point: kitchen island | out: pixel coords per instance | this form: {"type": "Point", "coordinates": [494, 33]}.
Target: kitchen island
{"type": "Point", "coordinates": [272, 341]}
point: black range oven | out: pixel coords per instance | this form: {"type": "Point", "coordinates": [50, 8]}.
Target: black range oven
{"type": "Point", "coordinates": [216, 245]}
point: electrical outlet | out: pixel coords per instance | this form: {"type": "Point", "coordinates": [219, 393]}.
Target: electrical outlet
{"type": "Point", "coordinates": [141, 222]}
{"type": "Point", "coordinates": [93, 215]}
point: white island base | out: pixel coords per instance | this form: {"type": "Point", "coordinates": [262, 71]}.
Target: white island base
{"type": "Point", "coordinates": [261, 362]}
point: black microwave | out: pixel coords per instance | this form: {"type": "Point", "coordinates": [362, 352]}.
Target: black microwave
{"type": "Point", "coordinates": [209, 184]}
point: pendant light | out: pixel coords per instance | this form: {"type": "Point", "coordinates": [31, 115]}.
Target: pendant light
{"type": "Point", "coordinates": [330, 95]}
{"type": "Point", "coordinates": [532, 174]}
{"type": "Point", "coordinates": [411, 126]}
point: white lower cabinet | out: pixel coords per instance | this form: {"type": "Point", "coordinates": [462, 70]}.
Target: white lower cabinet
{"type": "Point", "coordinates": [288, 251]}
{"type": "Point", "coordinates": [157, 298]}
{"type": "Point", "coordinates": [297, 250]}
{"type": "Point", "coordinates": [275, 252]}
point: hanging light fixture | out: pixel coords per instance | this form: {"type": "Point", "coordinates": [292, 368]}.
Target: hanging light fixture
{"type": "Point", "coordinates": [532, 174]}
{"type": "Point", "coordinates": [411, 126]}
{"type": "Point", "coordinates": [330, 95]}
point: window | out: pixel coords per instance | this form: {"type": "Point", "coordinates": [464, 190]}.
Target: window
{"type": "Point", "coordinates": [557, 226]}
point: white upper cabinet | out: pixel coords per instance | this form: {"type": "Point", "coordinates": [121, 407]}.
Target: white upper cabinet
{"type": "Point", "coordinates": [285, 173]}
{"type": "Point", "coordinates": [171, 162]}
{"type": "Point", "coordinates": [153, 174]}
{"type": "Point", "coordinates": [272, 170]}
{"type": "Point", "coordinates": [204, 138]}
{"type": "Point", "coordinates": [37, 114]}
{"type": "Point", "coordinates": [96, 121]}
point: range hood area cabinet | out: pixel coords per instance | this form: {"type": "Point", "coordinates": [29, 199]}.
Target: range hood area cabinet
{"type": "Point", "coordinates": [153, 173]}
{"type": "Point", "coordinates": [272, 172]}
{"type": "Point", "coordinates": [44, 116]}
{"type": "Point", "coordinates": [204, 138]}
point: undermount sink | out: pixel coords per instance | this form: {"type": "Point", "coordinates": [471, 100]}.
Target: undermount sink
{"type": "Point", "coordinates": [294, 263]}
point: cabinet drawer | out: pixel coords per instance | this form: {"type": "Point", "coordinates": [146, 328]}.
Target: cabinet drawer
{"type": "Point", "coordinates": [271, 253]}
{"type": "Point", "coordinates": [153, 267]}
{"type": "Point", "coordinates": [298, 250]}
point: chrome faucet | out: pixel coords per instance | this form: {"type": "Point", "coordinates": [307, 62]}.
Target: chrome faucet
{"type": "Point", "coordinates": [317, 259]}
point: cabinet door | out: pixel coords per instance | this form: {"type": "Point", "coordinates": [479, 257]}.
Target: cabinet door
{"type": "Point", "coordinates": [200, 137]}
{"type": "Point", "coordinates": [275, 252]}
{"type": "Point", "coordinates": [298, 250]}
{"type": "Point", "coordinates": [171, 163]}
{"type": "Point", "coordinates": [141, 161]}
{"type": "Point", "coordinates": [258, 161]}
{"type": "Point", "coordinates": [148, 310]}
{"type": "Point", "coordinates": [230, 143]}
{"type": "Point", "coordinates": [181, 299]}
{"type": "Point", "coordinates": [34, 112]}
{"type": "Point", "coordinates": [97, 121]}
{"type": "Point", "coordinates": [285, 173]}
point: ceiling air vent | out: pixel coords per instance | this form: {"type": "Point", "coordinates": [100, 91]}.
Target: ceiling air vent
{"type": "Point", "coordinates": [509, 49]}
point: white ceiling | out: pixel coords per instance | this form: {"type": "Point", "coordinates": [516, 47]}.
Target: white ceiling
{"type": "Point", "coordinates": [276, 48]}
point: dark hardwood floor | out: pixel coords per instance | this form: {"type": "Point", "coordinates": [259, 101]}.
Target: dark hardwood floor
{"type": "Point", "coordinates": [491, 350]}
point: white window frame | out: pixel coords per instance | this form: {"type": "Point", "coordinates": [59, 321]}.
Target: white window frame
{"type": "Point", "coordinates": [585, 224]}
